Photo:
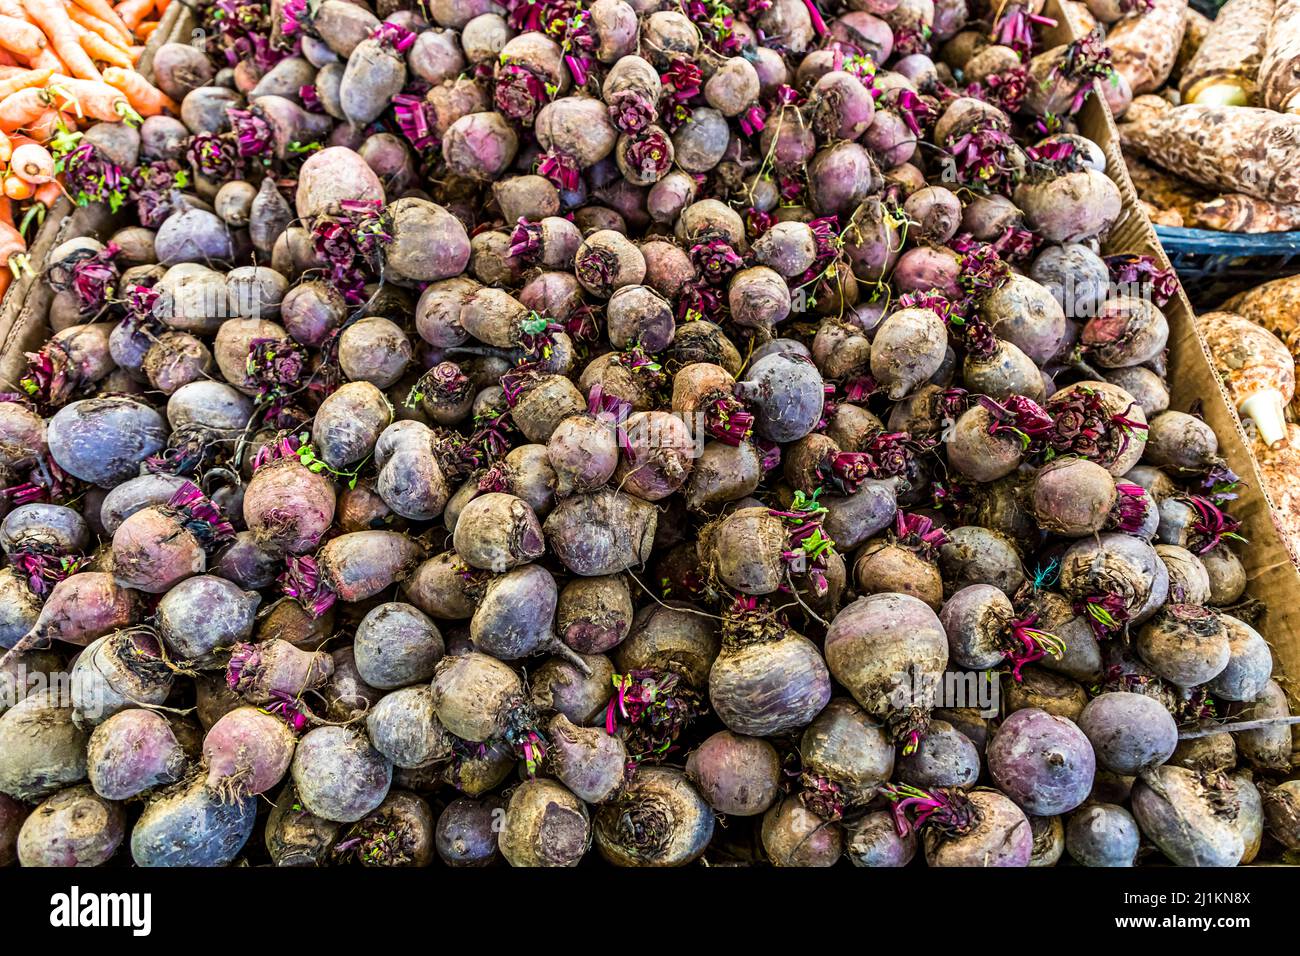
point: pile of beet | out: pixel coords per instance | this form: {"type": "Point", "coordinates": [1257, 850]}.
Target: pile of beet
{"type": "Point", "coordinates": [554, 430]}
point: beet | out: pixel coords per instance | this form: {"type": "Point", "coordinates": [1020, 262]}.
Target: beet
{"type": "Point", "coordinates": [1044, 763]}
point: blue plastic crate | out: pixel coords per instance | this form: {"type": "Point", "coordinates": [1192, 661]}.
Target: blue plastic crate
{"type": "Point", "coordinates": [1214, 265]}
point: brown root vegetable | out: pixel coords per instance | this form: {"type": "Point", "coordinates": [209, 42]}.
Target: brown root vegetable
{"type": "Point", "coordinates": [346, 695]}
{"type": "Point", "coordinates": [588, 761]}
{"type": "Point", "coordinates": [907, 349]}
{"type": "Point", "coordinates": [1043, 690]}
{"type": "Point", "coordinates": [1144, 47]}
{"type": "Point", "coordinates": [295, 837]}
{"type": "Point", "coordinates": [298, 838]}
{"type": "Point", "coordinates": [351, 567]}
{"type": "Point", "coordinates": [374, 350]}
{"type": "Point", "coordinates": [606, 261]}
{"type": "Point", "coordinates": [75, 827]}
{"type": "Point", "coordinates": [767, 679]}
{"type": "Point", "coordinates": [44, 750]}
{"type": "Point", "coordinates": [658, 455]}
{"type": "Point", "coordinates": [1257, 369]}
{"type": "Point", "coordinates": [1117, 572]}
{"type": "Point", "coordinates": [268, 671]}
{"type": "Point", "coordinates": [396, 645]}
{"type": "Point", "coordinates": [1224, 68]}
{"type": "Point", "coordinates": [874, 840]}
{"type": "Point", "coordinates": [247, 752]}
{"type": "Point", "coordinates": [339, 776]}
{"type": "Point", "coordinates": [1189, 817]}
{"type": "Point", "coordinates": [673, 637]}
{"type": "Point", "coordinates": [578, 687]}
{"type": "Point", "coordinates": [466, 834]}
{"type": "Point", "coordinates": [473, 695]}
{"type": "Point", "coordinates": [1076, 206]}
{"type": "Point", "coordinates": [437, 587]}
{"type": "Point", "coordinates": [1250, 663]}
{"type": "Point", "coordinates": [845, 756]}
{"type": "Point", "coordinates": [348, 423]}
{"type": "Point", "coordinates": [1189, 582]}
{"type": "Point", "coordinates": [497, 532]}
{"type": "Point", "coordinates": [1279, 64]}
{"type": "Point", "coordinates": [601, 533]}
{"type": "Point", "coordinates": [659, 820]}
{"type": "Point", "coordinates": [594, 614]}
{"type": "Point", "coordinates": [1126, 331]}
{"type": "Point", "coordinates": [121, 670]}
{"type": "Point", "coordinates": [333, 175]}
{"type": "Point", "coordinates": [1186, 644]}
{"type": "Point", "coordinates": [1027, 315]}
{"type": "Point", "coordinates": [737, 775]}
{"type": "Point", "coordinates": [1269, 747]}
{"type": "Point", "coordinates": [1072, 497]}
{"type": "Point", "coordinates": [404, 728]}
{"type": "Point", "coordinates": [132, 752]}
{"type": "Point", "coordinates": [874, 644]}
{"type": "Point", "coordinates": [80, 609]}
{"type": "Point", "coordinates": [795, 836]}
{"type": "Point", "coordinates": [1232, 149]}
{"type": "Point", "coordinates": [287, 507]}
{"type": "Point", "coordinates": [544, 825]}
{"type": "Point", "coordinates": [1001, 836]}
{"type": "Point", "coordinates": [515, 615]}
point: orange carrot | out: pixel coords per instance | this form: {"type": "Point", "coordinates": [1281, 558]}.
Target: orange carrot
{"type": "Point", "coordinates": [45, 126]}
{"type": "Point", "coordinates": [57, 25]}
{"type": "Point", "coordinates": [104, 10]}
{"type": "Point", "coordinates": [17, 110]}
{"type": "Point", "coordinates": [95, 25]}
{"type": "Point", "coordinates": [47, 194]}
{"type": "Point", "coordinates": [11, 241]}
{"type": "Point", "coordinates": [18, 188]}
{"type": "Point", "coordinates": [48, 60]}
{"type": "Point", "coordinates": [147, 99]}
{"type": "Point", "coordinates": [21, 37]}
{"type": "Point", "coordinates": [133, 12]}
{"type": "Point", "coordinates": [6, 277]}
{"type": "Point", "coordinates": [24, 80]}
{"type": "Point", "coordinates": [7, 60]}
{"type": "Point", "coordinates": [6, 147]}
{"type": "Point", "coordinates": [105, 52]}
{"type": "Point", "coordinates": [33, 163]}
{"type": "Point", "coordinates": [145, 30]}
{"type": "Point", "coordinates": [84, 98]}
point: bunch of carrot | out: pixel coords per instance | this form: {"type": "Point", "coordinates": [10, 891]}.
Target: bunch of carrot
{"type": "Point", "coordinates": [64, 63]}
